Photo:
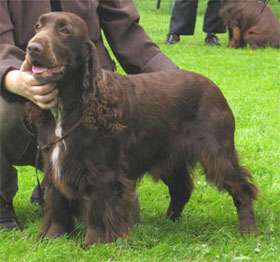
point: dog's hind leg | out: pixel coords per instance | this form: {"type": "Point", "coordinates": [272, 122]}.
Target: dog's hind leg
{"type": "Point", "coordinates": [180, 186]}
{"type": "Point", "coordinates": [255, 39]}
{"type": "Point", "coordinates": [220, 162]}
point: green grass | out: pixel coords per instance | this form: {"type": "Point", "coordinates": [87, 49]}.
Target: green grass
{"type": "Point", "coordinates": [208, 229]}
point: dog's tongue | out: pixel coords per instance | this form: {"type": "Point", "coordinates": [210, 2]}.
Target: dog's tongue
{"type": "Point", "coordinates": [38, 69]}
{"type": "Point", "coordinates": [43, 71]}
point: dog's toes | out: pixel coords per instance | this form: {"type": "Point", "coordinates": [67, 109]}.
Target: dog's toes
{"type": "Point", "coordinates": [174, 212]}
{"type": "Point", "coordinates": [249, 230]}
{"type": "Point", "coordinates": [95, 235]}
{"type": "Point", "coordinates": [85, 246]}
{"type": "Point", "coordinates": [55, 231]}
{"type": "Point", "coordinates": [172, 216]}
{"type": "Point", "coordinates": [40, 237]}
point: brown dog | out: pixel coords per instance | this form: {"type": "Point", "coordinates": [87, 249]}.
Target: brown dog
{"type": "Point", "coordinates": [108, 130]}
{"type": "Point", "coordinates": [249, 23]}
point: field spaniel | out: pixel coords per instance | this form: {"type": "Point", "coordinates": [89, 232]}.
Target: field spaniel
{"type": "Point", "coordinates": [108, 130]}
{"type": "Point", "coordinates": [250, 22]}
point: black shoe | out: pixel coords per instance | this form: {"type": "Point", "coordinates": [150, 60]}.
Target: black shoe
{"type": "Point", "coordinates": [211, 39]}
{"type": "Point", "coordinates": [8, 219]}
{"type": "Point", "coordinates": [172, 39]}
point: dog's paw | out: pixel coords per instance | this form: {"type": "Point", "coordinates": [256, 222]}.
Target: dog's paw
{"type": "Point", "coordinates": [54, 231]}
{"type": "Point", "coordinates": [251, 229]}
{"type": "Point", "coordinates": [95, 235]}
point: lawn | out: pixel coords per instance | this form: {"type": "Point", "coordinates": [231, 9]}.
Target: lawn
{"type": "Point", "coordinates": [208, 229]}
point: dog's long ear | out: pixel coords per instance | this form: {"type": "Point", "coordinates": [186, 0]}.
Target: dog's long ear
{"type": "Point", "coordinates": [92, 69]}
{"type": "Point", "coordinates": [100, 111]}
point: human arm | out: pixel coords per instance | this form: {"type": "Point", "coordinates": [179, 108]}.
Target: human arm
{"type": "Point", "coordinates": [21, 82]}
{"type": "Point", "coordinates": [16, 77]}
{"type": "Point", "coordinates": [135, 51]}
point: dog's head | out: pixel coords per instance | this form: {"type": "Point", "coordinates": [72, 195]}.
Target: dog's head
{"type": "Point", "coordinates": [61, 50]}
{"type": "Point", "coordinates": [60, 46]}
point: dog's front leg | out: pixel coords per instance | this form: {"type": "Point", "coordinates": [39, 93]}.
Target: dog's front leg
{"type": "Point", "coordinates": [110, 211]}
{"type": "Point", "coordinates": [96, 228]}
{"type": "Point", "coordinates": [95, 234]}
{"type": "Point", "coordinates": [57, 219]}
{"type": "Point", "coordinates": [230, 35]}
{"type": "Point", "coordinates": [235, 40]}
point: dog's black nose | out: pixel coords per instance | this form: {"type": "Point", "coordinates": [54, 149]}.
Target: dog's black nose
{"type": "Point", "coordinates": [35, 49]}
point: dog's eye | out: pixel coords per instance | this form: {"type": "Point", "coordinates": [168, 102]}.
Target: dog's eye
{"type": "Point", "coordinates": [38, 26]}
{"type": "Point", "coordinates": [65, 31]}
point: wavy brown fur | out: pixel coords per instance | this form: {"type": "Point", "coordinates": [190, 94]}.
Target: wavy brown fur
{"type": "Point", "coordinates": [161, 123]}
{"type": "Point", "coordinates": [99, 112]}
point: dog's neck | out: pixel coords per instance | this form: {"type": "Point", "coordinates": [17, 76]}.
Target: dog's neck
{"type": "Point", "coordinates": [57, 111]}
{"type": "Point", "coordinates": [68, 97]}
{"type": "Point", "coordinates": [69, 92]}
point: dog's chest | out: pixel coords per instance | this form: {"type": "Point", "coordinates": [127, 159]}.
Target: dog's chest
{"type": "Point", "coordinates": [64, 165]}
{"type": "Point", "coordinates": [60, 148]}
{"type": "Point", "coordinates": [56, 155]}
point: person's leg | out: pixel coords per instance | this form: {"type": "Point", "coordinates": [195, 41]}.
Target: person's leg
{"type": "Point", "coordinates": [183, 18]}
{"type": "Point", "coordinates": [213, 23]}
{"type": "Point", "coordinates": [17, 147]}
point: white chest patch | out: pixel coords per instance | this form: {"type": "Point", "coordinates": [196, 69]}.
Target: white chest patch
{"type": "Point", "coordinates": [56, 162]}
{"type": "Point", "coordinates": [56, 153]}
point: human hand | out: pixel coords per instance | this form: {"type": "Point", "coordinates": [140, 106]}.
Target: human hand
{"type": "Point", "coordinates": [23, 83]}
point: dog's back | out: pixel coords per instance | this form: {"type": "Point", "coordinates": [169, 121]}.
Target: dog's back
{"type": "Point", "coordinates": [167, 112]}
{"type": "Point", "coordinates": [258, 27]}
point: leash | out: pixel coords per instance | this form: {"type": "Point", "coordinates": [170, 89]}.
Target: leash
{"type": "Point", "coordinates": [41, 148]}
{"type": "Point", "coordinates": [265, 2]}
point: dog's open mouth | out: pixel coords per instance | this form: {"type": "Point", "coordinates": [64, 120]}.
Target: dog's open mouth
{"type": "Point", "coordinates": [46, 72]}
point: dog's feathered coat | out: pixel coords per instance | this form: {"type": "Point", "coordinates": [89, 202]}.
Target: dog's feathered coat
{"type": "Point", "coordinates": [161, 123]}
